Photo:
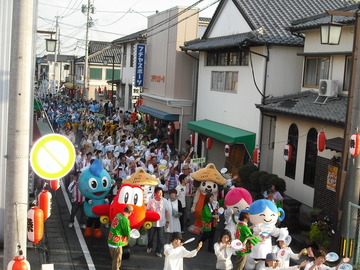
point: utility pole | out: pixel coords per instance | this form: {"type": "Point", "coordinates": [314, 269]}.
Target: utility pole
{"type": "Point", "coordinates": [86, 86]}
{"type": "Point", "coordinates": [55, 54]}
{"type": "Point", "coordinates": [350, 184]}
{"type": "Point", "coordinates": [18, 134]}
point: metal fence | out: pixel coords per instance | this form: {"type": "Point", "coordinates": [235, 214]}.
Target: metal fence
{"type": "Point", "coordinates": [352, 242]}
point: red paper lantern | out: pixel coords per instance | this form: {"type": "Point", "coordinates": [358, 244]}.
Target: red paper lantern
{"type": "Point", "coordinates": [55, 184]}
{"type": "Point", "coordinates": [192, 139]}
{"type": "Point", "coordinates": [354, 144]}
{"type": "Point", "coordinates": [170, 129]}
{"type": "Point", "coordinates": [81, 91]}
{"type": "Point", "coordinates": [35, 227]}
{"type": "Point", "coordinates": [227, 150]}
{"type": "Point", "coordinates": [18, 263]}
{"type": "Point", "coordinates": [99, 90]}
{"type": "Point", "coordinates": [256, 156]}
{"type": "Point", "coordinates": [321, 141]}
{"type": "Point", "coordinates": [208, 143]}
{"type": "Point", "coordinates": [44, 199]}
{"type": "Point", "coordinates": [287, 152]}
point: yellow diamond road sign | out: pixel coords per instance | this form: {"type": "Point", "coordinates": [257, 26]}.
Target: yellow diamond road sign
{"type": "Point", "coordinates": [52, 156]}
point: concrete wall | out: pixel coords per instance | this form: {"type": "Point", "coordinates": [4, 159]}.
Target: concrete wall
{"type": "Point", "coordinates": [168, 70]}
{"type": "Point", "coordinates": [295, 188]}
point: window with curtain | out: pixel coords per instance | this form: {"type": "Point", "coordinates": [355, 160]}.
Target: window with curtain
{"type": "Point", "coordinates": [316, 68]}
{"type": "Point", "coordinates": [310, 157]}
{"type": "Point", "coordinates": [224, 81]}
{"type": "Point", "coordinates": [293, 136]}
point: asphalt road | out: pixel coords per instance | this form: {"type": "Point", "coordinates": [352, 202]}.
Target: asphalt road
{"type": "Point", "coordinates": [99, 254]}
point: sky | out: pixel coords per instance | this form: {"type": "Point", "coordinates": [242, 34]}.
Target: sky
{"type": "Point", "coordinates": [111, 19]}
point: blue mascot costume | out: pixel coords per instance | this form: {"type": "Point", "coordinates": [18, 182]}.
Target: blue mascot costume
{"type": "Point", "coordinates": [94, 184]}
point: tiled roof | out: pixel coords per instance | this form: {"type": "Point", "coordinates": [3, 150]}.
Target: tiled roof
{"type": "Point", "coordinates": [303, 105]}
{"type": "Point", "coordinates": [140, 35]}
{"type": "Point", "coordinates": [97, 56]}
{"type": "Point", "coordinates": [273, 17]}
{"type": "Point", "coordinates": [323, 18]}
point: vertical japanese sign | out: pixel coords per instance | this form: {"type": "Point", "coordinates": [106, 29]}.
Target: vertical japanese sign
{"type": "Point", "coordinates": [332, 177]}
{"type": "Point", "coordinates": [139, 65]}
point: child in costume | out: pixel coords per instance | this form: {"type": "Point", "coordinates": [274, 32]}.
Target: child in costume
{"type": "Point", "coordinates": [284, 253]}
{"type": "Point", "coordinates": [264, 215]}
{"type": "Point", "coordinates": [236, 199]}
{"type": "Point", "coordinates": [94, 185]}
{"type": "Point", "coordinates": [207, 180]}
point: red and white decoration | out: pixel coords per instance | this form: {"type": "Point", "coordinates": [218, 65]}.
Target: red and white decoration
{"type": "Point", "coordinates": [192, 139]}
{"type": "Point", "coordinates": [35, 227]}
{"type": "Point", "coordinates": [288, 152]}
{"type": "Point", "coordinates": [227, 150]}
{"type": "Point", "coordinates": [321, 141]}
{"type": "Point", "coordinates": [55, 184]}
{"type": "Point", "coordinates": [18, 263]}
{"type": "Point", "coordinates": [208, 143]}
{"type": "Point", "coordinates": [170, 130]}
{"type": "Point", "coordinates": [355, 144]}
{"type": "Point", "coordinates": [44, 200]}
{"type": "Point", "coordinates": [256, 156]}
{"type": "Point", "coordinates": [146, 118]}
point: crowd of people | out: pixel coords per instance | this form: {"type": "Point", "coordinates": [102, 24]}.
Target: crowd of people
{"type": "Point", "coordinates": [123, 142]}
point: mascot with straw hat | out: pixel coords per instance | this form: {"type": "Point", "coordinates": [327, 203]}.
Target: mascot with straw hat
{"type": "Point", "coordinates": [207, 180]}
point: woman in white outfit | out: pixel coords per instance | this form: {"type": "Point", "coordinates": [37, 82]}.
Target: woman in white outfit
{"type": "Point", "coordinates": [224, 251]}
{"type": "Point", "coordinates": [175, 213]}
{"type": "Point", "coordinates": [175, 253]}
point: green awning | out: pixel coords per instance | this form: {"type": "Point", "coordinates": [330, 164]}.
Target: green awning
{"type": "Point", "coordinates": [224, 133]}
{"type": "Point", "coordinates": [37, 105]}
{"type": "Point", "coordinates": [159, 114]}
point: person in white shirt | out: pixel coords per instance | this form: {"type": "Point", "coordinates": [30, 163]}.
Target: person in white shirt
{"type": "Point", "coordinates": [159, 205]}
{"type": "Point", "coordinates": [272, 263]}
{"type": "Point", "coordinates": [175, 254]}
{"type": "Point", "coordinates": [181, 191]}
{"type": "Point", "coordinates": [86, 161]}
{"type": "Point", "coordinates": [224, 251]}
{"type": "Point", "coordinates": [319, 260]}
{"type": "Point", "coordinates": [77, 200]}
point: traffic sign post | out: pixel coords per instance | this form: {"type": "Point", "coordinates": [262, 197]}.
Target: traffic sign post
{"type": "Point", "coordinates": [52, 156]}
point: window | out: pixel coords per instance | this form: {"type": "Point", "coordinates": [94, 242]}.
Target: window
{"type": "Point", "coordinates": [293, 136]}
{"type": "Point", "coordinates": [316, 68]}
{"type": "Point", "coordinates": [238, 58]}
{"type": "Point", "coordinates": [109, 74]}
{"type": "Point", "coordinates": [348, 71]}
{"type": "Point", "coordinates": [132, 55]}
{"type": "Point", "coordinates": [224, 81]}
{"type": "Point", "coordinates": [310, 158]}
{"type": "Point", "coordinates": [124, 55]}
{"type": "Point", "coordinates": [96, 73]}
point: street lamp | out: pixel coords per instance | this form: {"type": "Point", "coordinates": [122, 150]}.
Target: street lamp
{"type": "Point", "coordinates": [330, 33]}
{"type": "Point", "coordinates": [50, 45]}
{"type": "Point", "coordinates": [106, 62]}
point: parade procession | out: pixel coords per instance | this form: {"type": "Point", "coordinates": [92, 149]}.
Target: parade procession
{"type": "Point", "coordinates": [179, 134]}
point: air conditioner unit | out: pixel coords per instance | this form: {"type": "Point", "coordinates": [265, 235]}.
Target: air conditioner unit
{"type": "Point", "coordinates": [328, 88]}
